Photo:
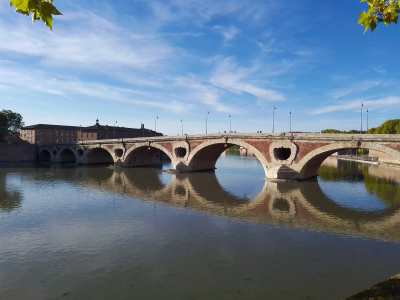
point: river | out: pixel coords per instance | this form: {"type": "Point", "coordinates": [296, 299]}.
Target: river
{"type": "Point", "coordinates": [98, 232]}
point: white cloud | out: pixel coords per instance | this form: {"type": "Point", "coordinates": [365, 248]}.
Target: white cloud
{"type": "Point", "coordinates": [380, 71]}
{"type": "Point", "coordinates": [228, 32]}
{"type": "Point", "coordinates": [303, 53]}
{"type": "Point", "coordinates": [378, 104]}
{"type": "Point", "coordinates": [92, 44]}
{"type": "Point", "coordinates": [356, 88]}
{"type": "Point", "coordinates": [235, 79]}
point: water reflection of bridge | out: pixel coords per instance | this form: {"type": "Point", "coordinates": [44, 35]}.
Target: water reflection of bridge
{"type": "Point", "coordinates": [297, 204]}
{"type": "Point", "coordinates": [302, 205]}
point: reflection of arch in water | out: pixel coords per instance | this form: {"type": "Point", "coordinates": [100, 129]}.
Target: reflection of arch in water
{"type": "Point", "coordinates": [205, 156]}
{"type": "Point", "coordinates": [302, 205]}
{"type": "Point", "coordinates": [384, 187]}
{"type": "Point", "coordinates": [99, 156]}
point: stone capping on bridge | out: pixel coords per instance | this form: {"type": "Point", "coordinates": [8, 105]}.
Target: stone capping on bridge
{"type": "Point", "coordinates": [294, 156]}
{"type": "Point", "coordinates": [330, 137]}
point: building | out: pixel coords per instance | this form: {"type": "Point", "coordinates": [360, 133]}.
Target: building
{"type": "Point", "coordinates": [47, 133]}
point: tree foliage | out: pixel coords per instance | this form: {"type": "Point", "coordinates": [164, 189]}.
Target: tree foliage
{"type": "Point", "coordinates": [9, 122]}
{"type": "Point", "coordinates": [389, 127]}
{"type": "Point", "coordinates": [37, 9]}
{"type": "Point", "coordinates": [381, 11]}
{"type": "Point", "coordinates": [353, 131]}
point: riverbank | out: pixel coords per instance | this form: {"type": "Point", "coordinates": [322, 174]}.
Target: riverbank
{"type": "Point", "coordinates": [388, 289]}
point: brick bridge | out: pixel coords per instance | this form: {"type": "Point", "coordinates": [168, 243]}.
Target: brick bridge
{"type": "Point", "coordinates": [283, 156]}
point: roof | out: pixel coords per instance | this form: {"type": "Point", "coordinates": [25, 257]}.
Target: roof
{"type": "Point", "coordinates": [50, 126]}
{"type": "Point", "coordinates": [85, 129]}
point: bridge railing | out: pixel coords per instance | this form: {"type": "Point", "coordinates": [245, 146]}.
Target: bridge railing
{"type": "Point", "coordinates": [355, 157]}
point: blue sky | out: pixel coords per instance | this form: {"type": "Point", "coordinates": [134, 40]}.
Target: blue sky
{"type": "Point", "coordinates": [132, 60]}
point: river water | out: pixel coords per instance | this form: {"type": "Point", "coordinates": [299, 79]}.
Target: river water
{"type": "Point", "coordinates": [95, 232]}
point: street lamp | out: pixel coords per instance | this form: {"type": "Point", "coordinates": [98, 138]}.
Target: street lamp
{"type": "Point", "coordinates": [182, 125]}
{"type": "Point", "coordinates": [361, 117]}
{"type": "Point", "coordinates": [230, 123]}
{"type": "Point", "coordinates": [115, 121]}
{"type": "Point", "coordinates": [367, 120]}
{"type": "Point", "coordinates": [273, 119]}
{"type": "Point", "coordinates": [206, 119]}
{"type": "Point", "coordinates": [155, 126]}
{"type": "Point", "coordinates": [290, 114]}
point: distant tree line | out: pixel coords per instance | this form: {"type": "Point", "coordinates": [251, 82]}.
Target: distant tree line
{"type": "Point", "coordinates": [9, 122]}
{"type": "Point", "coordinates": [339, 131]}
{"type": "Point", "coordinates": [389, 127]}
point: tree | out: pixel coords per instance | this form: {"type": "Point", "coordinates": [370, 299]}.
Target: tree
{"type": "Point", "coordinates": [43, 9]}
{"type": "Point", "coordinates": [381, 11]}
{"type": "Point", "coordinates": [388, 127]}
{"type": "Point", "coordinates": [9, 122]}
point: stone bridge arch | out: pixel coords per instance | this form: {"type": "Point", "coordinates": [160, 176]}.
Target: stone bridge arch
{"type": "Point", "coordinates": [308, 166]}
{"type": "Point", "coordinates": [44, 155]}
{"type": "Point", "coordinates": [66, 155]}
{"type": "Point", "coordinates": [205, 156]}
{"type": "Point", "coordinates": [98, 155]}
{"type": "Point", "coordinates": [144, 154]}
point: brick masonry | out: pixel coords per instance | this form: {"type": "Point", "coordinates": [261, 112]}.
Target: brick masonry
{"type": "Point", "coordinates": [167, 146]}
{"type": "Point", "coordinates": [194, 144]}
{"type": "Point", "coordinates": [262, 146]}
{"type": "Point", "coordinates": [306, 147]}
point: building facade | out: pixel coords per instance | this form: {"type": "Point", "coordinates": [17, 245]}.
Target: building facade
{"type": "Point", "coordinates": [47, 133]}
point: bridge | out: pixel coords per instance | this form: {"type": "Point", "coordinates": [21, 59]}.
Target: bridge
{"type": "Point", "coordinates": [295, 156]}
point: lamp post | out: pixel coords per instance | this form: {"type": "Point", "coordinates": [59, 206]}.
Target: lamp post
{"type": "Point", "coordinates": [361, 117]}
{"type": "Point", "coordinates": [290, 116]}
{"type": "Point", "coordinates": [230, 123]}
{"type": "Point", "coordinates": [207, 119]}
{"type": "Point", "coordinates": [273, 119]}
{"type": "Point", "coordinates": [367, 120]}
{"type": "Point", "coordinates": [115, 121]}
{"type": "Point", "coordinates": [182, 125]}
{"type": "Point", "coordinates": [155, 126]}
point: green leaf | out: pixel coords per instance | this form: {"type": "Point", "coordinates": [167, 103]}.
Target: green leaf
{"type": "Point", "coordinates": [372, 25]}
{"type": "Point", "coordinates": [20, 4]}
{"type": "Point", "coordinates": [37, 9]}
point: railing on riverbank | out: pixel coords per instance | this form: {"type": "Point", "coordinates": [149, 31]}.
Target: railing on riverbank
{"type": "Point", "coordinates": [355, 157]}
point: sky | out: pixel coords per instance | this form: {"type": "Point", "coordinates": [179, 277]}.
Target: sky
{"type": "Point", "coordinates": [129, 62]}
